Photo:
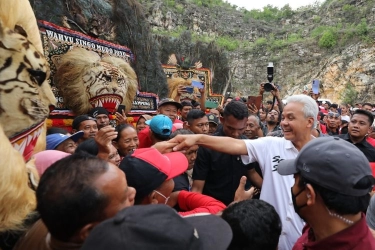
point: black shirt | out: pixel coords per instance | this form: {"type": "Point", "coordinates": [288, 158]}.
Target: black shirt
{"type": "Point", "coordinates": [332, 133]}
{"type": "Point", "coordinates": [221, 172]}
{"type": "Point", "coordinates": [181, 182]}
{"type": "Point", "coordinates": [367, 149]}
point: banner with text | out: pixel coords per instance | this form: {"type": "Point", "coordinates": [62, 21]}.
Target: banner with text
{"type": "Point", "coordinates": [59, 40]}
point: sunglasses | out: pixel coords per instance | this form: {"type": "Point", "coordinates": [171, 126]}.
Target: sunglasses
{"type": "Point", "coordinates": [332, 114]}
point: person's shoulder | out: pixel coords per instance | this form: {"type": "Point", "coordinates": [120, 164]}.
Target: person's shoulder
{"type": "Point", "coordinates": [268, 141]}
{"type": "Point", "coordinates": [219, 132]}
{"type": "Point", "coordinates": [144, 131]}
{"type": "Point", "coordinates": [343, 136]}
{"type": "Point", "coordinates": [35, 238]}
{"type": "Point", "coordinates": [243, 137]}
{"type": "Point", "coordinates": [204, 150]}
{"type": "Point", "coordinates": [177, 121]}
{"type": "Point", "coordinates": [368, 146]}
{"type": "Point", "coordinates": [274, 139]}
{"type": "Point", "coordinates": [371, 141]}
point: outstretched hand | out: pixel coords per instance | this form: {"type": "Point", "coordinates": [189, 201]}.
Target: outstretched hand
{"type": "Point", "coordinates": [183, 142]}
{"type": "Point", "coordinates": [164, 146]}
{"type": "Point", "coordinates": [241, 194]}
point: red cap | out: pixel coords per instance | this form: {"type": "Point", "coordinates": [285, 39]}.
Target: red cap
{"type": "Point", "coordinates": [171, 164]}
{"type": "Point", "coordinates": [146, 169]}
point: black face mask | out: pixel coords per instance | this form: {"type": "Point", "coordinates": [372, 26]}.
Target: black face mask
{"type": "Point", "coordinates": [294, 197]}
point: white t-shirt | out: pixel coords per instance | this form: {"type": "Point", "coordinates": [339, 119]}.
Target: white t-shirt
{"type": "Point", "coordinates": [276, 189]}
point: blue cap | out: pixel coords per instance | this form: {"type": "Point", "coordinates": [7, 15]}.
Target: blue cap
{"type": "Point", "coordinates": [161, 125]}
{"type": "Point", "coordinates": [54, 140]}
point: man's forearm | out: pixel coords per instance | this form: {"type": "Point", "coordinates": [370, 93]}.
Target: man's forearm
{"type": "Point", "coordinates": [255, 178]}
{"type": "Point", "coordinates": [280, 103]}
{"type": "Point", "coordinates": [223, 144]}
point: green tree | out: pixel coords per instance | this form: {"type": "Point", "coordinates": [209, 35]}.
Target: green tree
{"type": "Point", "coordinates": [362, 28]}
{"type": "Point", "coordinates": [286, 11]}
{"type": "Point", "coordinates": [349, 94]}
{"type": "Point", "coordinates": [328, 39]}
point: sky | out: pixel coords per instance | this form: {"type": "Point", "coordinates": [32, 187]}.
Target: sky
{"type": "Point", "coordinates": [259, 4]}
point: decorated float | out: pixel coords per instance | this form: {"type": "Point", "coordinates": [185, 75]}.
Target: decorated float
{"type": "Point", "coordinates": [87, 72]}
{"type": "Point", "coordinates": [184, 71]}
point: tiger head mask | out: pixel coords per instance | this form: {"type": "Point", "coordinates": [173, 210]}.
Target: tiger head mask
{"type": "Point", "coordinates": [25, 95]}
{"type": "Point", "coordinates": [86, 80]}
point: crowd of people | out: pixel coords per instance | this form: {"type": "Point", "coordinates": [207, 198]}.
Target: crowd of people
{"type": "Point", "coordinates": [278, 176]}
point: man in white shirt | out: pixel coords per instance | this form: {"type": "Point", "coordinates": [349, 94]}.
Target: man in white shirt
{"type": "Point", "coordinates": [299, 117]}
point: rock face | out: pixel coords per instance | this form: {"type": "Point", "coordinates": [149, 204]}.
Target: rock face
{"type": "Point", "coordinates": [236, 46]}
{"type": "Point", "coordinates": [355, 65]}
{"type": "Point", "coordinates": [299, 59]}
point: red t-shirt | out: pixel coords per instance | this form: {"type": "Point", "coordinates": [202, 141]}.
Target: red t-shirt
{"type": "Point", "coordinates": [323, 128]}
{"type": "Point", "coordinates": [355, 237]}
{"type": "Point", "coordinates": [194, 203]}
{"type": "Point", "coordinates": [371, 141]}
{"type": "Point", "coordinates": [177, 121]}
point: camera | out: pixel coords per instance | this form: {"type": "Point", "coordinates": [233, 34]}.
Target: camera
{"type": "Point", "coordinates": [268, 86]}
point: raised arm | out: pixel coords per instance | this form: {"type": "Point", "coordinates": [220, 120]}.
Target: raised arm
{"type": "Point", "coordinates": [221, 144]}
{"type": "Point", "coordinates": [203, 99]}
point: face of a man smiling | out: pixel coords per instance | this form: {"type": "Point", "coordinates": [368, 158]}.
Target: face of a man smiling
{"type": "Point", "coordinates": [294, 123]}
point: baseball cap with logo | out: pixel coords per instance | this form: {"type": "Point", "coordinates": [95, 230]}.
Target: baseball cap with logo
{"type": "Point", "coordinates": [212, 118]}
{"type": "Point", "coordinates": [81, 118]}
{"type": "Point", "coordinates": [169, 101]}
{"type": "Point", "coordinates": [331, 163]}
{"type": "Point", "coordinates": [98, 111]}
{"type": "Point", "coordinates": [159, 227]}
{"type": "Point", "coordinates": [146, 169]}
{"type": "Point", "coordinates": [161, 125]}
{"type": "Point", "coordinates": [54, 140]}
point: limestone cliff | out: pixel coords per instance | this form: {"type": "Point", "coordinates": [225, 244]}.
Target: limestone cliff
{"type": "Point", "coordinates": [332, 42]}
{"type": "Point", "coordinates": [299, 43]}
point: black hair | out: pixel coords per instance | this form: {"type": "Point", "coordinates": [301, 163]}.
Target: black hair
{"type": "Point", "coordinates": [56, 130]}
{"type": "Point", "coordinates": [88, 146]}
{"type": "Point", "coordinates": [66, 197]}
{"type": "Point", "coordinates": [186, 103]}
{"type": "Point", "coordinates": [265, 110]}
{"type": "Point", "coordinates": [120, 128]}
{"type": "Point", "coordinates": [367, 104]}
{"type": "Point", "coordinates": [181, 131]}
{"type": "Point", "coordinates": [334, 105]}
{"type": "Point", "coordinates": [195, 103]}
{"type": "Point", "coordinates": [194, 114]}
{"type": "Point", "coordinates": [255, 225]}
{"type": "Point", "coordinates": [366, 113]}
{"type": "Point", "coordinates": [79, 119]}
{"type": "Point", "coordinates": [343, 122]}
{"type": "Point", "coordinates": [341, 203]}
{"type": "Point", "coordinates": [269, 102]}
{"type": "Point", "coordinates": [237, 109]}
{"type": "Point", "coordinates": [160, 137]}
